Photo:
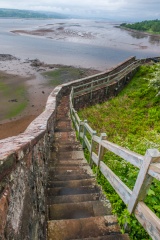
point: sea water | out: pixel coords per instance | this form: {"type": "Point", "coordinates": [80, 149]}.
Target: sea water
{"type": "Point", "coordinates": [90, 43]}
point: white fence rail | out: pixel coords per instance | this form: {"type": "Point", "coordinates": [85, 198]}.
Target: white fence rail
{"type": "Point", "coordinates": [149, 166]}
{"type": "Point", "coordinates": [102, 82]}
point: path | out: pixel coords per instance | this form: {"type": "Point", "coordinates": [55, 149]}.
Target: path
{"type": "Point", "coordinates": [77, 208]}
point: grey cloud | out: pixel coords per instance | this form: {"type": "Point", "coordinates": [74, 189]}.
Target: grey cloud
{"type": "Point", "coordinates": [126, 9]}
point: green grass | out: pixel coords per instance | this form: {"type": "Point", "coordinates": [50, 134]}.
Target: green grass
{"type": "Point", "coordinates": [131, 120]}
{"type": "Point", "coordinates": [64, 74]}
{"type": "Point", "coordinates": [3, 88]}
{"type": "Point", "coordinates": [16, 109]}
{"type": "Point", "coordinates": [9, 91]}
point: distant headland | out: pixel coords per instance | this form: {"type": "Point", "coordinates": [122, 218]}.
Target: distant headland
{"type": "Point", "coordinates": [151, 27]}
{"type": "Point", "coordinates": [16, 13]}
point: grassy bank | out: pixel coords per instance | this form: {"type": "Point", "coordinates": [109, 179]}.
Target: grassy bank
{"type": "Point", "coordinates": [131, 120]}
{"type": "Point", "coordinates": [13, 96]}
{"type": "Point", "coordinates": [64, 74]}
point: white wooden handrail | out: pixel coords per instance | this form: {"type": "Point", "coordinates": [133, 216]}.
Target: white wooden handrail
{"type": "Point", "coordinates": [86, 87]}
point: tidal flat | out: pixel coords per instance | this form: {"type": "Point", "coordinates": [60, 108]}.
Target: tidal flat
{"type": "Point", "coordinates": [25, 89]}
{"type": "Point", "coordinates": [46, 53]}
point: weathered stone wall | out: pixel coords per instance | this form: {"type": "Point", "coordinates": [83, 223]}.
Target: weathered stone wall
{"type": "Point", "coordinates": [23, 173]}
{"type": "Point", "coordinates": [23, 170]}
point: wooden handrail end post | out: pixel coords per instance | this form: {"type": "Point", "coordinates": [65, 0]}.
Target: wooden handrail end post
{"type": "Point", "coordinates": [90, 158]}
{"type": "Point", "coordinates": [144, 180]}
{"type": "Point", "coordinates": [84, 134]}
{"type": "Point", "coordinates": [100, 151]}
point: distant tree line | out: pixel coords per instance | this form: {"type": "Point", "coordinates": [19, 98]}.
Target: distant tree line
{"type": "Point", "coordinates": [151, 26]}
{"type": "Point", "coordinates": [15, 13]}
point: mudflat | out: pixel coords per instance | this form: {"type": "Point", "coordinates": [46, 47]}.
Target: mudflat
{"type": "Point", "coordinates": [25, 87]}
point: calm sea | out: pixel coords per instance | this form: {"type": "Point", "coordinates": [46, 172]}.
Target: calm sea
{"type": "Point", "coordinates": [105, 46]}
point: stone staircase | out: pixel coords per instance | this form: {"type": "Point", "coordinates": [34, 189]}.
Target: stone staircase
{"type": "Point", "coordinates": [76, 207]}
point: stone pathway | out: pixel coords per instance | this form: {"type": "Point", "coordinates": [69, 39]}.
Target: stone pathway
{"type": "Point", "coordinates": [77, 208]}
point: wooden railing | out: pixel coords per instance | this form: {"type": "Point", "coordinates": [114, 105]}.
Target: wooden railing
{"type": "Point", "coordinates": [149, 166]}
{"type": "Point", "coordinates": [102, 82]}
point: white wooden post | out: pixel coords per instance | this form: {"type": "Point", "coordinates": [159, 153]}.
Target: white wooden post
{"type": "Point", "coordinates": [106, 90]}
{"type": "Point", "coordinates": [72, 96]}
{"type": "Point", "coordinates": [75, 118]}
{"type": "Point", "coordinates": [84, 133]}
{"type": "Point", "coordinates": [100, 150]}
{"type": "Point", "coordinates": [76, 125]}
{"type": "Point", "coordinates": [79, 131]}
{"type": "Point", "coordinates": [90, 157]}
{"type": "Point", "coordinates": [144, 180]}
{"type": "Point", "coordinates": [91, 90]}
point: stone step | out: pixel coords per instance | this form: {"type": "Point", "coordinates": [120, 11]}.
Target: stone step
{"type": "Point", "coordinates": [78, 210]}
{"type": "Point", "coordinates": [62, 110]}
{"type": "Point", "coordinates": [68, 171]}
{"type": "Point", "coordinates": [64, 168]}
{"type": "Point", "coordinates": [109, 237]}
{"type": "Point", "coordinates": [67, 142]}
{"type": "Point", "coordinates": [82, 228]}
{"type": "Point", "coordinates": [65, 136]}
{"type": "Point", "coordinates": [72, 198]}
{"type": "Point", "coordinates": [70, 168]}
{"type": "Point", "coordinates": [63, 122]}
{"type": "Point", "coordinates": [76, 154]}
{"type": "Point", "coordinates": [71, 155]}
{"type": "Point", "coordinates": [71, 183]}
{"type": "Point", "coordinates": [60, 191]}
{"type": "Point", "coordinates": [72, 140]}
{"type": "Point", "coordinates": [62, 113]}
{"type": "Point", "coordinates": [53, 163]}
{"type": "Point", "coordinates": [68, 147]}
{"type": "Point", "coordinates": [69, 177]}
{"type": "Point", "coordinates": [58, 154]}
{"type": "Point", "coordinates": [63, 129]}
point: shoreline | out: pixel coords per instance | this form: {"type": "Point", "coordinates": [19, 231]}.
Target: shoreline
{"type": "Point", "coordinates": [30, 73]}
{"type": "Point", "coordinates": [141, 32]}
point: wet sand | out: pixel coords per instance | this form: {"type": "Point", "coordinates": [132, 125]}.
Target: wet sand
{"type": "Point", "coordinates": [56, 31]}
{"type": "Point", "coordinates": [14, 72]}
{"type": "Point", "coordinates": [16, 127]}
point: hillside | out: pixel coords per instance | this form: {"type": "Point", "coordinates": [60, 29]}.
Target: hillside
{"type": "Point", "coordinates": [151, 26]}
{"type": "Point", "coordinates": [15, 13]}
{"type": "Point", "coordinates": [131, 120]}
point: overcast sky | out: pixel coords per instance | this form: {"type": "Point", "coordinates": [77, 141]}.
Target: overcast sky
{"type": "Point", "coordinates": [110, 9]}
